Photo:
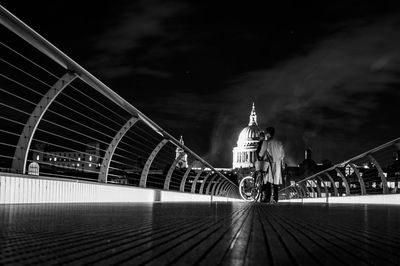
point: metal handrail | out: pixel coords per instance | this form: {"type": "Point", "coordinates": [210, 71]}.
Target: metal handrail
{"type": "Point", "coordinates": [344, 163]}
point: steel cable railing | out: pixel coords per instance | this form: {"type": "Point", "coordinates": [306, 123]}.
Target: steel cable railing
{"type": "Point", "coordinates": [376, 171]}
{"type": "Point", "coordinates": [56, 114]}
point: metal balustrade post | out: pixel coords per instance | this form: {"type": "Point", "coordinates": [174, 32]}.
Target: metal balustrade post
{"type": "Point", "coordinates": [105, 165]}
{"type": "Point", "coordinates": [204, 182]}
{"type": "Point", "coordinates": [146, 168]}
{"type": "Point", "coordinates": [185, 176]}
{"type": "Point", "coordinates": [360, 180]}
{"type": "Point", "coordinates": [381, 174]}
{"type": "Point", "coordinates": [346, 184]}
{"type": "Point", "coordinates": [193, 188]}
{"type": "Point", "coordinates": [335, 189]}
{"type": "Point", "coordinates": [25, 139]}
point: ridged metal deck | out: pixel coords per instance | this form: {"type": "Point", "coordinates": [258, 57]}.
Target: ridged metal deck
{"type": "Point", "coordinates": [199, 234]}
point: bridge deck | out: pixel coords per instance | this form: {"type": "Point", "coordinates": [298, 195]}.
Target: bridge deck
{"type": "Point", "coordinates": [202, 233]}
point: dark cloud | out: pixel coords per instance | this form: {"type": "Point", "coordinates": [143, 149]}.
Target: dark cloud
{"type": "Point", "coordinates": [138, 22]}
{"type": "Point", "coordinates": [123, 70]}
{"type": "Point", "coordinates": [325, 98]}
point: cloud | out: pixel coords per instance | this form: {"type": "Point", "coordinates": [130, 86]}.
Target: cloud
{"type": "Point", "coordinates": [121, 70]}
{"type": "Point", "coordinates": [323, 99]}
{"type": "Point", "coordinates": [139, 22]}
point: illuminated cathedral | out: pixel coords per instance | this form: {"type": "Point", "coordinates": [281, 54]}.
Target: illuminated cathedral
{"type": "Point", "coordinates": [244, 154]}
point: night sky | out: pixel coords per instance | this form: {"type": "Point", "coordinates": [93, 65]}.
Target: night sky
{"type": "Point", "coordinates": [325, 75]}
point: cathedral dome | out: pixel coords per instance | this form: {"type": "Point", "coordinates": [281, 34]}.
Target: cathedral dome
{"type": "Point", "coordinates": [250, 134]}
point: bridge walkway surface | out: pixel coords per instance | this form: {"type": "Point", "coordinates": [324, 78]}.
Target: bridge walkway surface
{"type": "Point", "coordinates": [199, 234]}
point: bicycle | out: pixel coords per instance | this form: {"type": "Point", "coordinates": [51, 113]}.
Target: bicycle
{"type": "Point", "coordinates": [250, 187]}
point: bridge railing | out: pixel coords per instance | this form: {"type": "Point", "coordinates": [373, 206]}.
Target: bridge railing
{"type": "Point", "coordinates": [59, 120]}
{"type": "Point", "coordinates": [376, 171]}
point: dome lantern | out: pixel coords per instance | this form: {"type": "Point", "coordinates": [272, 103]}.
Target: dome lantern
{"type": "Point", "coordinates": [253, 116]}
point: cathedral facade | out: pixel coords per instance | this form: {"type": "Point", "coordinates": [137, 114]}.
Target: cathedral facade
{"type": "Point", "coordinates": [244, 154]}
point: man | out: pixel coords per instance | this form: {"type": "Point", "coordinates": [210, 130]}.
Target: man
{"type": "Point", "coordinates": [272, 149]}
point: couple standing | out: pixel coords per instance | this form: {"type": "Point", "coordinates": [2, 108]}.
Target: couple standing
{"type": "Point", "coordinates": [269, 164]}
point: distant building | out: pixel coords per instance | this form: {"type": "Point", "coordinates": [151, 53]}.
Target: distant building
{"type": "Point", "coordinates": [183, 162]}
{"type": "Point", "coordinates": [308, 167]}
{"type": "Point", "coordinates": [244, 154]}
{"type": "Point", "coordinates": [71, 161]}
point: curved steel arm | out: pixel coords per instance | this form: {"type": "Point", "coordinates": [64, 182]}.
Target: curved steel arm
{"type": "Point", "coordinates": [223, 189]}
{"type": "Point", "coordinates": [346, 184]}
{"type": "Point", "coordinates": [146, 168]}
{"type": "Point", "coordinates": [380, 171]}
{"type": "Point", "coordinates": [298, 192]}
{"type": "Point", "coordinates": [360, 180]}
{"type": "Point", "coordinates": [204, 182]}
{"type": "Point", "coordinates": [312, 188]}
{"type": "Point", "coordinates": [216, 186]}
{"type": "Point", "coordinates": [111, 149]}
{"type": "Point", "coordinates": [182, 187]}
{"type": "Point", "coordinates": [210, 183]}
{"type": "Point", "coordinates": [171, 170]}
{"type": "Point", "coordinates": [294, 191]}
{"type": "Point", "coordinates": [301, 191]}
{"type": "Point", "coordinates": [318, 187]}
{"type": "Point", "coordinates": [230, 190]}
{"type": "Point", "coordinates": [25, 139]}
{"type": "Point", "coordinates": [335, 189]}
{"type": "Point", "coordinates": [305, 190]}
{"type": "Point", "coordinates": [325, 187]}
{"type": "Point", "coordinates": [193, 189]}
{"type": "Point", "coordinates": [217, 190]}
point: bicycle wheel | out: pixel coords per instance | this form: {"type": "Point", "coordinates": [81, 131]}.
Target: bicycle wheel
{"type": "Point", "coordinates": [247, 189]}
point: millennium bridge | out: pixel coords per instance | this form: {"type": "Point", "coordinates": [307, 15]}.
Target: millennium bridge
{"type": "Point", "coordinates": [87, 178]}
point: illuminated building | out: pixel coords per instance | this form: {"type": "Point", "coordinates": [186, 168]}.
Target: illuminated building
{"type": "Point", "coordinates": [71, 161]}
{"type": "Point", "coordinates": [244, 153]}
